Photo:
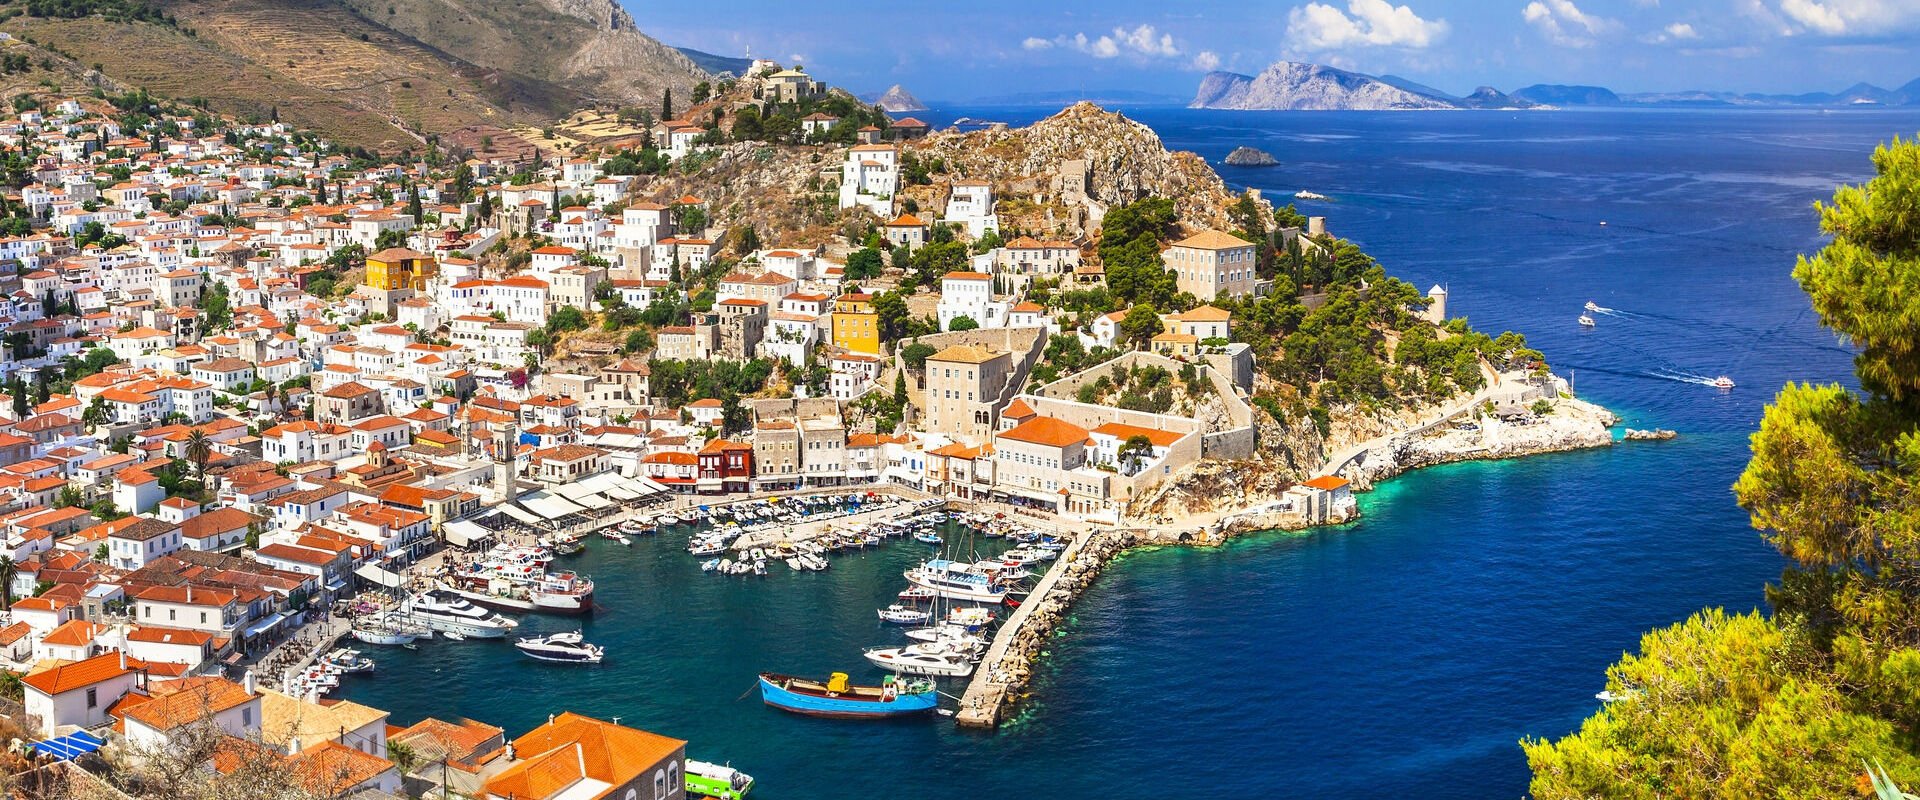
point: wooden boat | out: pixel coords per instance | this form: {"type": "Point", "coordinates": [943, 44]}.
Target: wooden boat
{"type": "Point", "coordinates": [836, 697]}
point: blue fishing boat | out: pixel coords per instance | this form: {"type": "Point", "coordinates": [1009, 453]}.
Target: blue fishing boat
{"type": "Point", "coordinates": [894, 697]}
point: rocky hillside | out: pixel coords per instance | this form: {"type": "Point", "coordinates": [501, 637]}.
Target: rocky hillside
{"type": "Point", "coordinates": [591, 47]}
{"type": "Point", "coordinates": [377, 75]}
{"type": "Point", "coordinates": [1125, 161]}
{"type": "Point", "coordinates": [1293, 86]}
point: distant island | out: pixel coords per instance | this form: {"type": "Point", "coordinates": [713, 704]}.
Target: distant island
{"type": "Point", "coordinates": [1250, 157]}
{"type": "Point", "coordinates": [1296, 86]}
{"type": "Point", "coordinates": [895, 99]}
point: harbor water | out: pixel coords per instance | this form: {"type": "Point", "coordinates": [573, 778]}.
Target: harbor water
{"type": "Point", "coordinates": [1403, 655]}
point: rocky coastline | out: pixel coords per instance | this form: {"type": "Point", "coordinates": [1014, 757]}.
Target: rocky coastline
{"type": "Point", "coordinates": [1002, 681]}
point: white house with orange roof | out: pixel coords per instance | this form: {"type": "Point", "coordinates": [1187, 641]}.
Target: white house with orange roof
{"type": "Point", "coordinates": [78, 695]}
{"type": "Point", "coordinates": [869, 178]}
{"type": "Point", "coordinates": [970, 295]}
{"type": "Point", "coordinates": [1213, 264]}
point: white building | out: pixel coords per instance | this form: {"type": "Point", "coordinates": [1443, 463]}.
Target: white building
{"type": "Point", "coordinates": [870, 177]}
{"type": "Point", "coordinates": [970, 295]}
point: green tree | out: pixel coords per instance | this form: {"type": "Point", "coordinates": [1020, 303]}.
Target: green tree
{"type": "Point", "coordinates": [6, 582]}
{"type": "Point", "coordinates": [1140, 325]}
{"type": "Point", "coordinates": [863, 264]}
{"type": "Point", "coordinates": [963, 323]}
{"type": "Point", "coordinates": [1793, 706]}
{"type": "Point", "coordinates": [199, 450]}
{"type": "Point", "coordinates": [215, 305]}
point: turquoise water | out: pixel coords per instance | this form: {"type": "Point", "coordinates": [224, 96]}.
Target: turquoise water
{"type": "Point", "coordinates": [1403, 655]}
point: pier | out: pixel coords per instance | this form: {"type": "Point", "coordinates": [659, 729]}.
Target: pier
{"type": "Point", "coordinates": [1001, 674]}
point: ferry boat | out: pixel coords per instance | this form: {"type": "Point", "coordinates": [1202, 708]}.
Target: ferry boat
{"type": "Point", "coordinates": [935, 659]}
{"type": "Point", "coordinates": [837, 698]}
{"type": "Point", "coordinates": [716, 781]}
{"type": "Point", "coordinates": [447, 612]}
{"type": "Point", "coordinates": [955, 581]}
{"type": "Point", "coordinates": [566, 648]}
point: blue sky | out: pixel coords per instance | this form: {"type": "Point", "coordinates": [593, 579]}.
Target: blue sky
{"type": "Point", "coordinates": [980, 48]}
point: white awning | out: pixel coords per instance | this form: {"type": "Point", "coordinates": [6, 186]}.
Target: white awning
{"type": "Point", "coordinates": [522, 514]}
{"type": "Point", "coordinates": [381, 577]}
{"type": "Point", "coordinates": [266, 623]}
{"type": "Point", "coordinates": [597, 482]}
{"type": "Point", "coordinates": [647, 487]}
{"type": "Point", "coordinates": [464, 533]}
{"type": "Point", "coordinates": [582, 495]}
{"type": "Point", "coordinates": [548, 506]}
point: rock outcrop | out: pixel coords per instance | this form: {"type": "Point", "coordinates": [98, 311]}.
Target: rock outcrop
{"type": "Point", "coordinates": [1249, 157]}
{"type": "Point", "coordinates": [1290, 85]}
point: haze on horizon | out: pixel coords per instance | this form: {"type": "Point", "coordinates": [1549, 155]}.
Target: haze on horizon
{"type": "Point", "coordinates": [998, 47]}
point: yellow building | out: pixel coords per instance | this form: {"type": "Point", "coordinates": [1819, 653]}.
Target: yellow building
{"type": "Point", "coordinates": [400, 268]}
{"type": "Point", "coordinates": [856, 328]}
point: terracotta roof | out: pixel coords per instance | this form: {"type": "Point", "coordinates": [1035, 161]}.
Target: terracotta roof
{"type": "Point", "coordinates": [966, 354]}
{"type": "Point", "coordinates": [1048, 431]}
{"type": "Point", "coordinates": [330, 768]}
{"type": "Point", "coordinates": [1206, 314]}
{"type": "Point", "coordinates": [1212, 240]}
{"type": "Point", "coordinates": [1326, 483]}
{"type": "Point", "coordinates": [186, 701]}
{"type": "Point", "coordinates": [560, 753]}
{"type": "Point", "coordinates": [1123, 432]}
{"type": "Point", "coordinates": [77, 675]}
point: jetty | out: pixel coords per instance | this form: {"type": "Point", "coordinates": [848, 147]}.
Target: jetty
{"type": "Point", "coordinates": [1007, 666]}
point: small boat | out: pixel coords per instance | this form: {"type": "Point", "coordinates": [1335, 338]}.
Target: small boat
{"type": "Point", "coordinates": [952, 635]}
{"type": "Point", "coordinates": [923, 658]}
{"type": "Point", "coordinates": [918, 593]}
{"type": "Point", "coordinates": [564, 648]}
{"type": "Point", "coordinates": [972, 618]}
{"type": "Point", "coordinates": [897, 614]}
{"type": "Point", "coordinates": [709, 565]}
{"type": "Point", "coordinates": [836, 697]}
{"type": "Point", "coordinates": [793, 563]}
{"type": "Point", "coordinates": [1723, 382]}
{"type": "Point", "coordinates": [453, 636]}
{"type": "Point", "coordinates": [1593, 306]}
{"type": "Point", "coordinates": [375, 633]}
{"type": "Point", "coordinates": [1306, 195]}
{"type": "Point", "coordinates": [1586, 321]}
{"type": "Point", "coordinates": [927, 537]}
{"type": "Point", "coordinates": [716, 781]}
{"type": "Point", "coordinates": [347, 660]}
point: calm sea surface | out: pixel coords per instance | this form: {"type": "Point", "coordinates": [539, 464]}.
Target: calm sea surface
{"type": "Point", "coordinates": [1400, 656]}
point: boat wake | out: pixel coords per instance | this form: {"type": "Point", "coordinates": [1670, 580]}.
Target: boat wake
{"type": "Point", "coordinates": [1687, 377]}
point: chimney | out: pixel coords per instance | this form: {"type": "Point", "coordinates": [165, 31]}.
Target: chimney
{"type": "Point", "coordinates": [123, 656]}
{"type": "Point", "coordinates": [246, 682]}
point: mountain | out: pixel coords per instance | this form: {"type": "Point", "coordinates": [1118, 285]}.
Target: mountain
{"type": "Point", "coordinates": [1414, 86]}
{"type": "Point", "coordinates": [1069, 97]}
{"type": "Point", "coordinates": [895, 99]}
{"type": "Point", "coordinates": [378, 74]}
{"type": "Point", "coordinates": [1289, 85]}
{"type": "Point", "coordinates": [1488, 97]}
{"type": "Point", "coordinates": [717, 64]}
{"type": "Point", "coordinates": [1553, 94]}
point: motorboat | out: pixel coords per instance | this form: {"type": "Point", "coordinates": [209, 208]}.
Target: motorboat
{"type": "Point", "coordinates": [1586, 321]}
{"type": "Point", "coordinates": [836, 697]}
{"type": "Point", "coordinates": [566, 648]}
{"type": "Point", "coordinates": [709, 565]}
{"type": "Point", "coordinates": [1303, 194]}
{"type": "Point", "coordinates": [347, 661]}
{"type": "Point", "coordinates": [897, 614]}
{"type": "Point", "coordinates": [956, 581]}
{"type": "Point", "coordinates": [378, 632]}
{"type": "Point", "coordinates": [970, 618]}
{"type": "Point", "coordinates": [1593, 307]}
{"type": "Point", "coordinates": [793, 563]}
{"type": "Point", "coordinates": [716, 781]}
{"type": "Point", "coordinates": [923, 658]}
{"type": "Point", "coordinates": [446, 612]}
{"type": "Point", "coordinates": [454, 636]}
{"type": "Point", "coordinates": [1723, 382]}
{"type": "Point", "coordinates": [927, 537]}
{"type": "Point", "coordinates": [565, 544]}
{"type": "Point", "coordinates": [917, 594]}
{"type": "Point", "coordinates": [954, 635]}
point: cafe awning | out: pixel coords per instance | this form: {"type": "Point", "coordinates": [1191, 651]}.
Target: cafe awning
{"type": "Point", "coordinates": [380, 577]}
{"type": "Point", "coordinates": [465, 533]}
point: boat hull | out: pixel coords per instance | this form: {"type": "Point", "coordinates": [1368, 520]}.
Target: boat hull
{"type": "Point", "coordinates": [815, 705]}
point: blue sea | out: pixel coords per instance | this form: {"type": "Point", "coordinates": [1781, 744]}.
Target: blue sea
{"type": "Point", "coordinates": [1401, 656]}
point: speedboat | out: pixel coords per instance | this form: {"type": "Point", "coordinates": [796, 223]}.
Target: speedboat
{"type": "Point", "coordinates": [836, 697]}
{"type": "Point", "coordinates": [565, 648]}
{"type": "Point", "coordinates": [1586, 321]}
{"type": "Point", "coordinates": [918, 593]}
{"type": "Point", "coordinates": [923, 658]}
{"type": "Point", "coordinates": [709, 565]}
{"type": "Point", "coordinates": [447, 612]}
{"type": "Point", "coordinates": [1593, 306]}
{"type": "Point", "coordinates": [897, 614]}
{"type": "Point", "coordinates": [927, 537]}
{"type": "Point", "coordinates": [347, 660]}
{"type": "Point", "coordinates": [1307, 195]}
{"type": "Point", "coordinates": [1723, 382]}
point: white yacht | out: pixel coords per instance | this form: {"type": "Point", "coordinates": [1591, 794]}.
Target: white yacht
{"type": "Point", "coordinates": [923, 658]}
{"type": "Point", "coordinates": [568, 648]}
{"type": "Point", "coordinates": [956, 581]}
{"type": "Point", "coordinates": [450, 613]}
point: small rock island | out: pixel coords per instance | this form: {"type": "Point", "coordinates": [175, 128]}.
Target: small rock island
{"type": "Point", "coordinates": [1249, 157]}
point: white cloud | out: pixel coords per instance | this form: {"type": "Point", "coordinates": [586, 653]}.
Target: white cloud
{"type": "Point", "coordinates": [1366, 23]}
{"type": "Point", "coordinates": [1206, 61]}
{"type": "Point", "coordinates": [1141, 42]}
{"type": "Point", "coordinates": [1676, 32]}
{"type": "Point", "coordinates": [1852, 17]}
{"type": "Point", "coordinates": [1564, 24]}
